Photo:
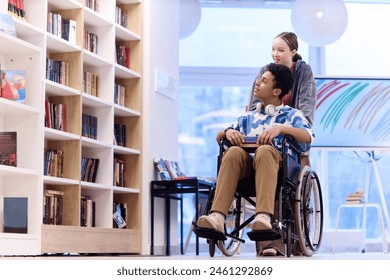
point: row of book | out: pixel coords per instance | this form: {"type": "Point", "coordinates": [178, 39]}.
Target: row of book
{"type": "Point", "coordinates": [123, 55]}
{"type": "Point", "coordinates": [53, 166]}
{"type": "Point", "coordinates": [172, 170]}
{"type": "Point", "coordinates": [55, 115]}
{"type": "Point", "coordinates": [120, 135]}
{"type": "Point", "coordinates": [61, 27]}
{"type": "Point", "coordinates": [90, 83]}
{"type": "Point", "coordinates": [89, 169]}
{"type": "Point", "coordinates": [16, 9]}
{"type": "Point", "coordinates": [119, 94]}
{"type": "Point", "coordinates": [88, 212]}
{"type": "Point", "coordinates": [53, 205]}
{"type": "Point", "coordinates": [119, 172]}
{"type": "Point", "coordinates": [53, 208]}
{"type": "Point", "coordinates": [167, 169]}
{"type": "Point", "coordinates": [89, 126]}
{"type": "Point", "coordinates": [90, 41]}
{"type": "Point", "coordinates": [57, 71]}
{"type": "Point", "coordinates": [53, 163]}
{"type": "Point", "coordinates": [120, 16]}
{"type": "Point", "coordinates": [92, 4]}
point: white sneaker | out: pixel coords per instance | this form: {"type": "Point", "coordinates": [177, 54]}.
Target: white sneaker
{"type": "Point", "coordinates": [262, 222]}
{"type": "Point", "coordinates": [269, 252]}
{"type": "Point", "coordinates": [213, 221]}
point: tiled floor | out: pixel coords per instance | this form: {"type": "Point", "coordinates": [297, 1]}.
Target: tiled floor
{"type": "Point", "coordinates": [218, 256]}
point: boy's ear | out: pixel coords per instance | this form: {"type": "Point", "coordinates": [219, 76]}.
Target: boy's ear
{"type": "Point", "coordinates": [277, 92]}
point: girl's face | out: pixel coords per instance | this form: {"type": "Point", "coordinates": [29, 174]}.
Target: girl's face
{"type": "Point", "coordinates": [281, 53]}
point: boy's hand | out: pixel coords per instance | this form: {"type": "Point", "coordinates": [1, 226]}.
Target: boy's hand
{"type": "Point", "coordinates": [235, 137]}
{"type": "Point", "coordinates": [266, 137]}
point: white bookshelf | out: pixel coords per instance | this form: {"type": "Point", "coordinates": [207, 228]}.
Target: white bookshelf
{"type": "Point", "coordinates": [29, 51]}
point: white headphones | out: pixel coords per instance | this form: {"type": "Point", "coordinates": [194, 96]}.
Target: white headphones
{"type": "Point", "coordinates": [269, 110]}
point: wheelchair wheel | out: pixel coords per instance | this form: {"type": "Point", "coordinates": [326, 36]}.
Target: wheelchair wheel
{"type": "Point", "coordinates": [309, 211]}
{"type": "Point", "coordinates": [233, 220]}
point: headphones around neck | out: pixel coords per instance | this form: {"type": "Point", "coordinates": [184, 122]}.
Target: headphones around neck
{"type": "Point", "coordinates": [269, 110]}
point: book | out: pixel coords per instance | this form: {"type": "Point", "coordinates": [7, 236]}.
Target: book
{"type": "Point", "coordinates": [7, 24]}
{"type": "Point", "coordinates": [69, 30]}
{"type": "Point", "coordinates": [354, 198]}
{"type": "Point", "coordinates": [15, 214]}
{"type": "Point", "coordinates": [8, 148]}
{"type": "Point", "coordinates": [119, 221]}
{"type": "Point", "coordinates": [175, 171]}
{"type": "Point", "coordinates": [161, 168]}
{"type": "Point", "coordinates": [13, 85]}
{"type": "Point", "coordinates": [353, 202]}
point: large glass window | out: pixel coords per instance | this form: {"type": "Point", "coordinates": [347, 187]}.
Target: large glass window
{"type": "Point", "coordinates": [363, 50]}
{"type": "Point", "coordinates": [235, 37]}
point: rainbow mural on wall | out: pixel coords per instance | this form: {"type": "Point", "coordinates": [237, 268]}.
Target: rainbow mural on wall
{"type": "Point", "coordinates": [352, 112]}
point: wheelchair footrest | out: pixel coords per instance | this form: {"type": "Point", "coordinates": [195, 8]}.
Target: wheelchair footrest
{"type": "Point", "coordinates": [209, 233]}
{"type": "Point", "coordinates": [263, 235]}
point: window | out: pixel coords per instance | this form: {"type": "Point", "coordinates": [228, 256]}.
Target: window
{"type": "Point", "coordinates": [363, 48]}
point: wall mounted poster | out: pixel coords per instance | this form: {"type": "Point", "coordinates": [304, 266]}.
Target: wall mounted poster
{"type": "Point", "coordinates": [352, 112]}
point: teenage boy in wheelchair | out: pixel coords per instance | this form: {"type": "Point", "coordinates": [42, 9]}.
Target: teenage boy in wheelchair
{"type": "Point", "coordinates": [268, 123]}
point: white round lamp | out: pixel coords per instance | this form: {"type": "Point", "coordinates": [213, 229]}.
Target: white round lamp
{"type": "Point", "coordinates": [319, 22]}
{"type": "Point", "coordinates": [190, 13]}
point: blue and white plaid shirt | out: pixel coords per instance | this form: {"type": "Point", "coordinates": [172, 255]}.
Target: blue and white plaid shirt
{"type": "Point", "coordinates": [253, 123]}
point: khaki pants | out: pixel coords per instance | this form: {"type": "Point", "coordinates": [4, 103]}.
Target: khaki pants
{"type": "Point", "coordinates": [237, 164]}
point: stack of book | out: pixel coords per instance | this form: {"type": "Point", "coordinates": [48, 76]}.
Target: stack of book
{"type": "Point", "coordinates": [356, 197]}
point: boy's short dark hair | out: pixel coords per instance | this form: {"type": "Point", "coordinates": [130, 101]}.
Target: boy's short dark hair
{"type": "Point", "coordinates": [283, 77]}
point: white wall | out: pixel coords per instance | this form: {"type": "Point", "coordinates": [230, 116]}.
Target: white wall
{"type": "Point", "coordinates": [160, 113]}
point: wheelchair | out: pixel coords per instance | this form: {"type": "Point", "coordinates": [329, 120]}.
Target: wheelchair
{"type": "Point", "coordinates": [298, 216]}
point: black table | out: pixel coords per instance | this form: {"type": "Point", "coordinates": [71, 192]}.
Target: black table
{"type": "Point", "coordinates": [175, 189]}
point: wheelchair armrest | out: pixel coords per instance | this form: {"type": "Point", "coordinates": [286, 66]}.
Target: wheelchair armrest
{"type": "Point", "coordinates": [290, 142]}
{"type": "Point", "coordinates": [223, 142]}
{"type": "Point", "coordinates": [220, 135]}
{"type": "Point", "coordinates": [291, 165]}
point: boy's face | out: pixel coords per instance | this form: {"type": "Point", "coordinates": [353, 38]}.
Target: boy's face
{"type": "Point", "coordinates": [265, 86]}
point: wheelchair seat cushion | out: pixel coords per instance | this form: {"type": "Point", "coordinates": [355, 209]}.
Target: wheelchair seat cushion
{"type": "Point", "coordinates": [246, 186]}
